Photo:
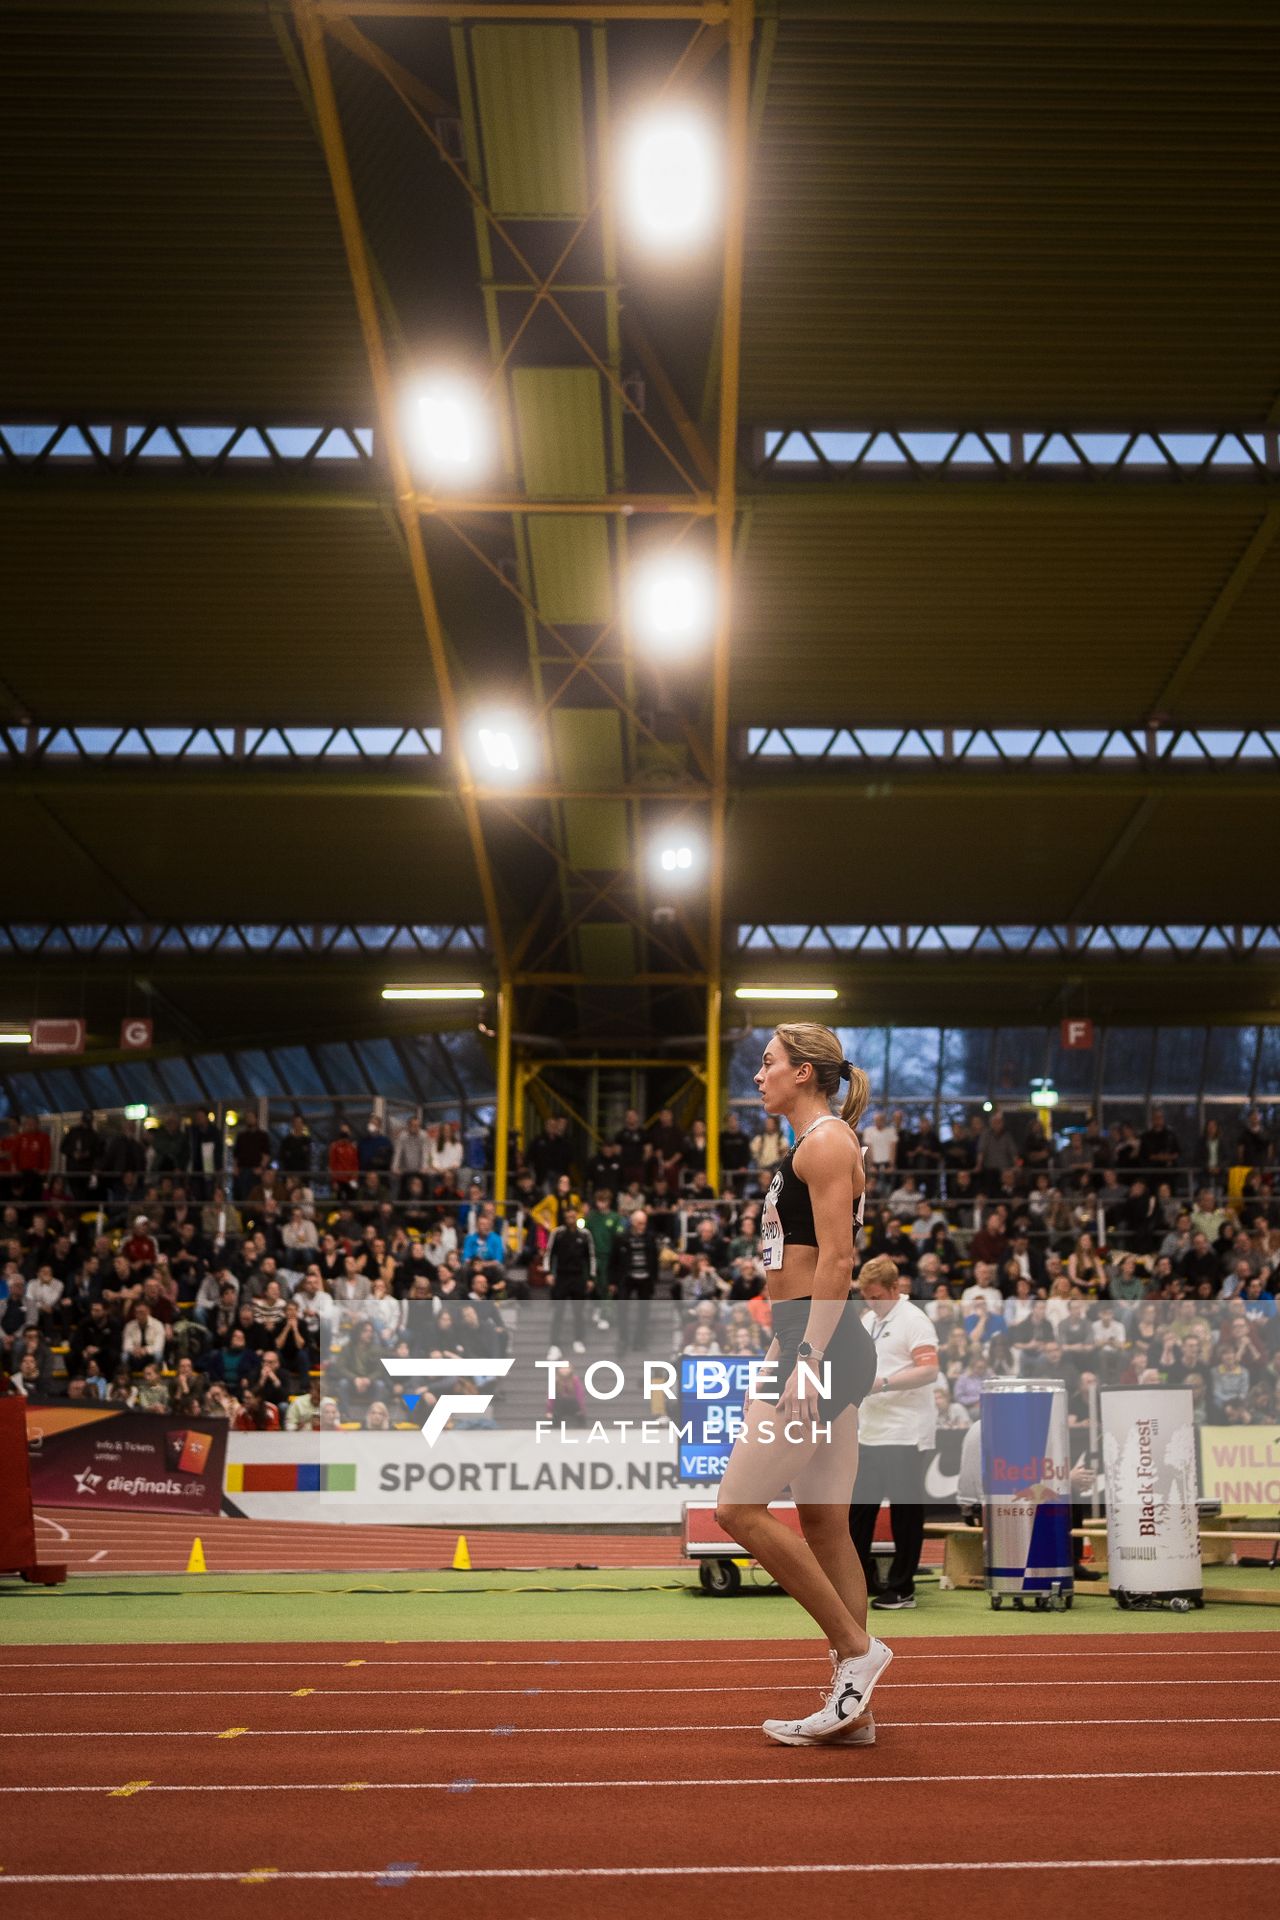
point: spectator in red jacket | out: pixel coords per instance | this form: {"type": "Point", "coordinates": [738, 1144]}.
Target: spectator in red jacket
{"type": "Point", "coordinates": [344, 1161]}
{"type": "Point", "coordinates": [140, 1249]}
{"type": "Point", "coordinates": [31, 1155]}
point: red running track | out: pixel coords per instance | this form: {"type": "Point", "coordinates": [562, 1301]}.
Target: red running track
{"type": "Point", "coordinates": [568, 1780]}
{"type": "Point", "coordinates": [116, 1543]}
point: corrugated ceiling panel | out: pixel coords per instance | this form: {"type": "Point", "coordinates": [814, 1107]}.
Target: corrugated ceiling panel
{"type": "Point", "coordinates": [588, 746]}
{"type": "Point", "coordinates": [167, 221]}
{"type": "Point", "coordinates": [529, 94]}
{"type": "Point", "coordinates": [572, 573]}
{"type": "Point", "coordinates": [1239, 676]}
{"type": "Point", "coordinates": [595, 834]}
{"type": "Point", "coordinates": [971, 618]}
{"type": "Point", "coordinates": [1013, 220]}
{"type": "Point", "coordinates": [209, 612]}
{"type": "Point", "coordinates": [904, 858]}
{"type": "Point", "coordinates": [608, 949]}
{"type": "Point", "coordinates": [561, 427]}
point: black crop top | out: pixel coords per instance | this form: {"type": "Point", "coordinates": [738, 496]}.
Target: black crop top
{"type": "Point", "coordinates": [787, 1216]}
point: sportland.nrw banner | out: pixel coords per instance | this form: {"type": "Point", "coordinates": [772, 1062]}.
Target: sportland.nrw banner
{"type": "Point", "coordinates": [1149, 1462]}
{"type": "Point", "coordinates": [463, 1479]}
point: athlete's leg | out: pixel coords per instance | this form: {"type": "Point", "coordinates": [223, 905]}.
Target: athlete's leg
{"type": "Point", "coordinates": [759, 1468]}
{"type": "Point", "coordinates": [822, 1492]}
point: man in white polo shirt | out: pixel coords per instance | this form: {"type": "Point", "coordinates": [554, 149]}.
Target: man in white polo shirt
{"type": "Point", "coordinates": [896, 1426]}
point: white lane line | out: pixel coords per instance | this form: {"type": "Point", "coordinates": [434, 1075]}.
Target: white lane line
{"type": "Point", "coordinates": [460, 1786]}
{"type": "Point", "coordinates": [44, 1521]}
{"type": "Point", "coordinates": [698, 1868]}
{"type": "Point", "coordinates": [683, 1726]}
{"type": "Point", "coordinates": [1202, 1652]}
{"type": "Point", "coordinates": [101, 1554]}
{"type": "Point", "coordinates": [562, 1693]}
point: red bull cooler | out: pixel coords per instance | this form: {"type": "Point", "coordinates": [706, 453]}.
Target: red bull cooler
{"type": "Point", "coordinates": [1026, 1493]}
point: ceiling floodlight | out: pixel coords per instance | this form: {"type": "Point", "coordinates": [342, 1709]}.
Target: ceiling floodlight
{"type": "Point", "coordinates": [15, 1037]}
{"type": "Point", "coordinates": [677, 858]}
{"type": "Point", "coordinates": [467, 992]}
{"type": "Point", "coordinates": [137, 1111]}
{"type": "Point", "coordinates": [1044, 1095]}
{"type": "Point", "coordinates": [501, 747]}
{"type": "Point", "coordinates": [670, 179]}
{"type": "Point", "coordinates": [786, 993]}
{"type": "Point", "coordinates": [450, 429]}
{"type": "Point", "coordinates": [673, 603]}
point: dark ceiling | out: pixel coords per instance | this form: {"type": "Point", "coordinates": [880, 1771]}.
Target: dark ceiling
{"type": "Point", "coordinates": [1003, 214]}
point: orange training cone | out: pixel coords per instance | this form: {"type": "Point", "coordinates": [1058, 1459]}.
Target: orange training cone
{"type": "Point", "coordinates": [461, 1556]}
{"type": "Point", "coordinates": [195, 1559]}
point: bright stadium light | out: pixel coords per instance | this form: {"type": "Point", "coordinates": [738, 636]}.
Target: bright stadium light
{"type": "Point", "coordinates": [670, 179]}
{"type": "Point", "coordinates": [449, 428]}
{"type": "Point", "coordinates": [673, 603]}
{"type": "Point", "coordinates": [501, 747]}
{"type": "Point", "coordinates": [678, 858]}
{"type": "Point", "coordinates": [786, 993]}
{"type": "Point", "coordinates": [15, 1037]}
{"type": "Point", "coordinates": [469, 991]}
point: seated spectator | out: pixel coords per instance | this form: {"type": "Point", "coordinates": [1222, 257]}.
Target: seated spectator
{"type": "Point", "coordinates": [967, 1386]}
{"type": "Point", "coordinates": [991, 1242]}
{"type": "Point", "coordinates": [144, 1339]}
{"type": "Point", "coordinates": [484, 1243]}
{"type": "Point", "coordinates": [981, 1323]}
{"type": "Point", "coordinates": [377, 1419]}
{"type": "Point", "coordinates": [151, 1394]}
{"type": "Point", "coordinates": [951, 1414]}
{"type": "Point", "coordinates": [1109, 1329]}
{"type": "Point", "coordinates": [296, 1345]}
{"type": "Point", "coordinates": [982, 1289]}
{"type": "Point", "coordinates": [304, 1409]}
{"type": "Point", "coordinates": [1229, 1381]}
{"type": "Point", "coordinates": [256, 1415]}
{"type": "Point", "coordinates": [471, 1422]}
{"type": "Point", "coordinates": [299, 1239]}
{"type": "Point", "coordinates": [188, 1382]}
{"type": "Point", "coordinates": [566, 1401]}
{"type": "Point", "coordinates": [94, 1339]}
{"type": "Point", "coordinates": [382, 1311]}
{"type": "Point", "coordinates": [230, 1367]}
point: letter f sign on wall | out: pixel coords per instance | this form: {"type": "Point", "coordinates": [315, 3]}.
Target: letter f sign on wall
{"type": "Point", "coordinates": [449, 1403]}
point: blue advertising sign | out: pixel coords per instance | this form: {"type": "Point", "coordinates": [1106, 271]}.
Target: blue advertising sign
{"type": "Point", "coordinates": [713, 1394]}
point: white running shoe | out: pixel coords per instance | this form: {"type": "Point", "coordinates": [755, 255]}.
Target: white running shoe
{"type": "Point", "coordinates": [554, 1353]}
{"type": "Point", "coordinates": [852, 1685]}
{"type": "Point", "coordinates": [578, 1347]}
{"type": "Point", "coordinates": [790, 1733]}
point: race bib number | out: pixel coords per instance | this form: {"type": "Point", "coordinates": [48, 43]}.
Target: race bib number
{"type": "Point", "coordinates": [772, 1245]}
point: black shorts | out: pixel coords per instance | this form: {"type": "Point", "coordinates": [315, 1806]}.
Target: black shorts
{"type": "Point", "coordinates": [851, 1354]}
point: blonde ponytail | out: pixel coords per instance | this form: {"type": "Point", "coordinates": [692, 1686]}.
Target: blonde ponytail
{"type": "Point", "coordinates": [805, 1042]}
{"type": "Point", "coordinates": [858, 1098]}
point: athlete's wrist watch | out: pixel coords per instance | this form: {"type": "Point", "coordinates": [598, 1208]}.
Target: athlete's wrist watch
{"type": "Point", "coordinates": [805, 1352]}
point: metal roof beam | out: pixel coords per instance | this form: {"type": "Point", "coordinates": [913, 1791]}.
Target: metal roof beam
{"type": "Point", "coordinates": [311, 34]}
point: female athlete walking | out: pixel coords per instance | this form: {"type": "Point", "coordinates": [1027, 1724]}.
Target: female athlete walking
{"type": "Point", "coordinates": [807, 1442]}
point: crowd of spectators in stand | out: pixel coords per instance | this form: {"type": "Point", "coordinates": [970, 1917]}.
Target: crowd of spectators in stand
{"type": "Point", "coordinates": [266, 1277]}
